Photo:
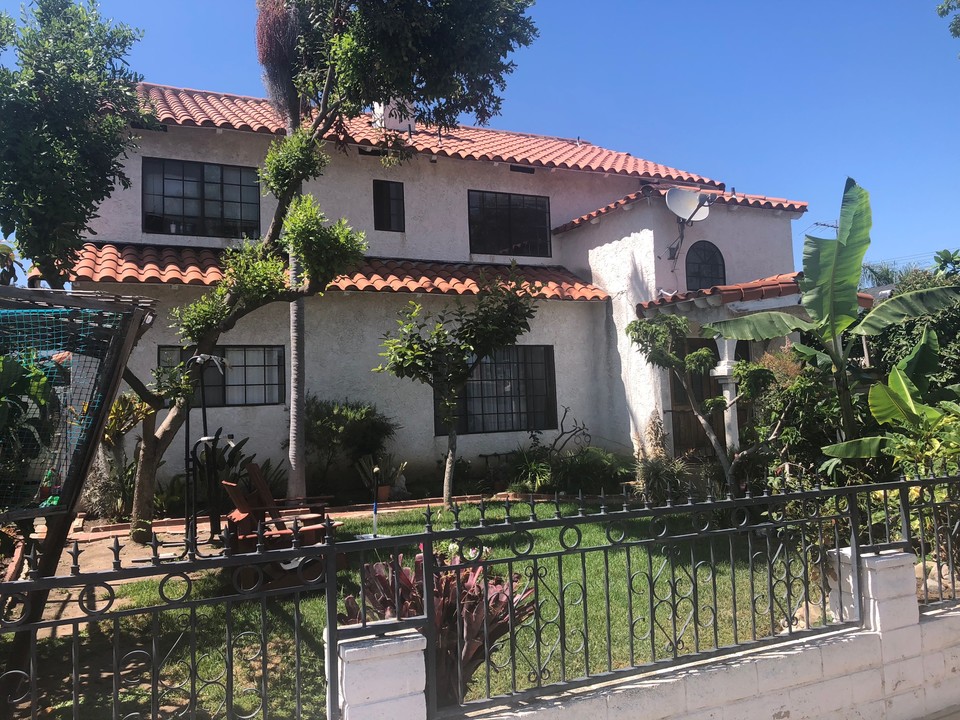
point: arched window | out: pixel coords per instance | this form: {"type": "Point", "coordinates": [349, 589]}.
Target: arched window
{"type": "Point", "coordinates": [705, 266]}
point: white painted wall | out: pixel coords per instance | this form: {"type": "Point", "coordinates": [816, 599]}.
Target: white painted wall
{"type": "Point", "coordinates": [435, 194]}
{"type": "Point", "coordinates": [343, 336]}
{"type": "Point", "coordinates": [626, 254]}
{"type": "Point", "coordinates": [600, 376]}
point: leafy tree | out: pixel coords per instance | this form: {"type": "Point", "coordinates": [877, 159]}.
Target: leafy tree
{"type": "Point", "coordinates": [327, 61]}
{"type": "Point", "coordinates": [662, 340]}
{"type": "Point", "coordinates": [951, 9]}
{"type": "Point", "coordinates": [921, 433]}
{"type": "Point", "coordinates": [442, 350]}
{"type": "Point", "coordinates": [794, 411]}
{"type": "Point", "coordinates": [66, 109]}
{"type": "Point", "coordinates": [884, 273]}
{"type": "Point", "coordinates": [898, 341]}
{"type": "Point", "coordinates": [828, 295]}
{"type": "Point", "coordinates": [947, 263]}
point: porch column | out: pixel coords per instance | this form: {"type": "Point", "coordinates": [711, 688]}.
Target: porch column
{"type": "Point", "coordinates": [723, 373]}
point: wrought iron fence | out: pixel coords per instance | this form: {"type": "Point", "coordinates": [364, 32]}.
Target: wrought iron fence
{"type": "Point", "coordinates": [520, 597]}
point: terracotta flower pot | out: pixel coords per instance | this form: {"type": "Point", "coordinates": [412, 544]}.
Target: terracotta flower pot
{"type": "Point", "coordinates": [383, 493]}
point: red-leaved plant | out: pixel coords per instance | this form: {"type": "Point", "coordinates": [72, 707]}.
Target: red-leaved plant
{"type": "Point", "coordinates": [481, 600]}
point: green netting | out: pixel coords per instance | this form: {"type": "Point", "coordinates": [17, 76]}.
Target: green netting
{"type": "Point", "coordinates": [57, 365]}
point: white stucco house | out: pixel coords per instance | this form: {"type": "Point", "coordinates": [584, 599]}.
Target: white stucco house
{"type": "Point", "coordinates": [589, 223]}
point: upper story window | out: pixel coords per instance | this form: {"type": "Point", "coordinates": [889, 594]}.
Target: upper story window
{"type": "Point", "coordinates": [191, 198]}
{"type": "Point", "coordinates": [705, 267]}
{"type": "Point", "coordinates": [388, 206]}
{"type": "Point", "coordinates": [509, 224]}
{"type": "Point", "coordinates": [252, 374]}
{"type": "Point", "coordinates": [513, 389]}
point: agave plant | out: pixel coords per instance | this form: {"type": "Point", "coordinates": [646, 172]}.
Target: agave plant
{"type": "Point", "coordinates": [472, 611]}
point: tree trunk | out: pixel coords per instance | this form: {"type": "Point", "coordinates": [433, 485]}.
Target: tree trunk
{"type": "Point", "coordinates": [704, 421]}
{"type": "Point", "coordinates": [450, 464]}
{"type": "Point", "coordinates": [141, 516]}
{"type": "Point", "coordinates": [297, 481]}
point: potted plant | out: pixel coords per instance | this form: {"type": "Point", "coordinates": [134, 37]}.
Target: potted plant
{"type": "Point", "coordinates": [380, 476]}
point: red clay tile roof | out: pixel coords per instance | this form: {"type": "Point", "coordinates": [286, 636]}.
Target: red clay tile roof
{"type": "Point", "coordinates": [144, 263]}
{"type": "Point", "coordinates": [763, 289]}
{"type": "Point", "coordinates": [181, 106]}
{"type": "Point", "coordinates": [722, 198]}
{"type": "Point", "coordinates": [147, 264]}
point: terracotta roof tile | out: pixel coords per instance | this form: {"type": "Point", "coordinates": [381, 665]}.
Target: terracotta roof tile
{"type": "Point", "coordinates": [193, 266]}
{"type": "Point", "coordinates": [770, 287]}
{"type": "Point", "coordinates": [722, 198]}
{"type": "Point", "coordinates": [181, 106]}
{"type": "Point", "coordinates": [147, 264]}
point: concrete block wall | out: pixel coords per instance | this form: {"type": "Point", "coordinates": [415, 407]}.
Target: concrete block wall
{"type": "Point", "coordinates": [899, 666]}
{"type": "Point", "coordinates": [382, 678]}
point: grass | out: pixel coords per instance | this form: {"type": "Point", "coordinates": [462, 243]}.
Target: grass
{"type": "Point", "coordinates": [602, 606]}
{"type": "Point", "coordinates": [608, 606]}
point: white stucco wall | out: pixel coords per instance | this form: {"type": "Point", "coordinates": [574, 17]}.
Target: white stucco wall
{"type": "Point", "coordinates": [626, 254]}
{"type": "Point", "coordinates": [600, 376]}
{"type": "Point", "coordinates": [435, 194]}
{"type": "Point", "coordinates": [343, 336]}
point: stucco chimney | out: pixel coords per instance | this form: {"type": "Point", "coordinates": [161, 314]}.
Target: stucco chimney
{"type": "Point", "coordinates": [387, 116]}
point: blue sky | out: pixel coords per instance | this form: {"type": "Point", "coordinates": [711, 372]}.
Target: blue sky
{"type": "Point", "coordinates": [782, 99]}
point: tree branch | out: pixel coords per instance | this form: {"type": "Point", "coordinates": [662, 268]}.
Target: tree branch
{"type": "Point", "coordinates": [151, 398]}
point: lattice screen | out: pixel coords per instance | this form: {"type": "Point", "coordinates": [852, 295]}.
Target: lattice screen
{"type": "Point", "coordinates": [61, 357]}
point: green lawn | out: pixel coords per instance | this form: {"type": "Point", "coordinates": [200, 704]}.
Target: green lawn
{"type": "Point", "coordinates": [602, 606]}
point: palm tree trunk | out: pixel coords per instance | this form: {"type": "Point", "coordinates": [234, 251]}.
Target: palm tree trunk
{"type": "Point", "coordinates": [297, 481]}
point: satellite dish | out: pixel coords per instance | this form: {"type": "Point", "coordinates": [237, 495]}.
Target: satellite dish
{"type": "Point", "coordinates": [687, 205]}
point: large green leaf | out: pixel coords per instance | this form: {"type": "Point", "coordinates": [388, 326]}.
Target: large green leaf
{"type": "Point", "coordinates": [905, 307]}
{"type": "Point", "coordinates": [832, 268]}
{"type": "Point", "coordinates": [759, 326]}
{"type": "Point", "coordinates": [889, 407]}
{"type": "Point", "coordinates": [922, 362]}
{"type": "Point", "coordinates": [898, 402]}
{"type": "Point", "coordinates": [860, 448]}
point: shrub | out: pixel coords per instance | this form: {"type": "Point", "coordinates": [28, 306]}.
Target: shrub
{"type": "Point", "coordinates": [343, 431]}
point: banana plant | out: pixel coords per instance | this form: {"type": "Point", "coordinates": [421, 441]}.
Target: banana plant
{"type": "Point", "coordinates": [920, 433]}
{"type": "Point", "coordinates": [828, 295]}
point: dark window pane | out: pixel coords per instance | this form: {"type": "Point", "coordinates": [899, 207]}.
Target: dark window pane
{"type": "Point", "coordinates": [388, 206]}
{"type": "Point", "coordinates": [513, 390]}
{"type": "Point", "coordinates": [246, 381]}
{"type": "Point", "coordinates": [705, 266]}
{"type": "Point", "coordinates": [185, 198]}
{"type": "Point", "coordinates": [509, 224]}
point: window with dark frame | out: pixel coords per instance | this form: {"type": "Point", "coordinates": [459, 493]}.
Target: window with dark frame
{"type": "Point", "coordinates": [253, 375]}
{"type": "Point", "coordinates": [705, 266]}
{"type": "Point", "coordinates": [200, 199]}
{"type": "Point", "coordinates": [513, 390]}
{"type": "Point", "coordinates": [509, 224]}
{"type": "Point", "coordinates": [388, 206]}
